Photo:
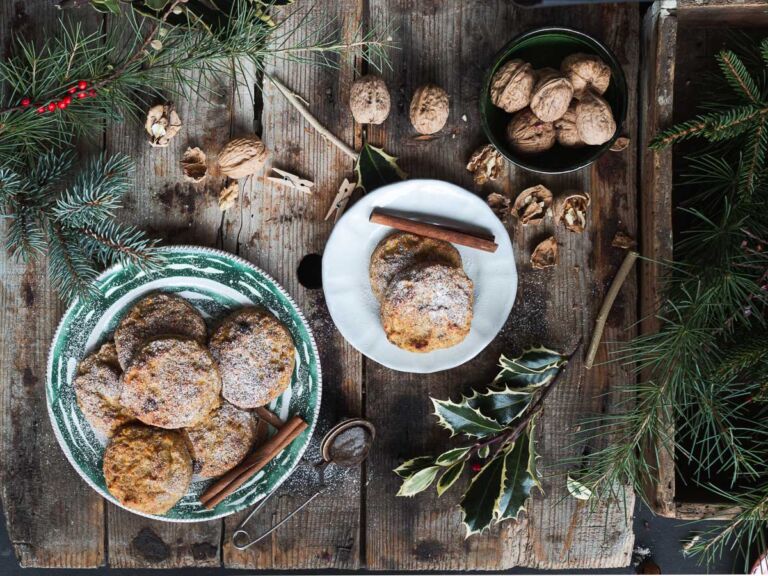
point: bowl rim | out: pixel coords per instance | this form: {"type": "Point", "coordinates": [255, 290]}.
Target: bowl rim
{"type": "Point", "coordinates": [616, 68]}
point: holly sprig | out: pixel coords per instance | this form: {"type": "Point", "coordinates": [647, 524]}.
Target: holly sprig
{"type": "Point", "coordinates": [500, 420]}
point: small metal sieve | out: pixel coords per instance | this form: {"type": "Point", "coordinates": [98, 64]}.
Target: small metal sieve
{"type": "Point", "coordinates": [347, 444]}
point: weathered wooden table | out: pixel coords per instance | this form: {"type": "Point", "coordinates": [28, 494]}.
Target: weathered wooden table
{"type": "Point", "coordinates": [55, 519]}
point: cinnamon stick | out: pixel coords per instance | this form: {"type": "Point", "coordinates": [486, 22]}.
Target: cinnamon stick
{"type": "Point", "coordinates": [254, 462]}
{"type": "Point", "coordinates": [428, 230]}
{"type": "Point", "coordinates": [269, 416]}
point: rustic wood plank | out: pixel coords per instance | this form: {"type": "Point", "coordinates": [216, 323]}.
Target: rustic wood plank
{"type": "Point", "coordinates": [657, 90]}
{"type": "Point", "coordinates": [278, 227]}
{"type": "Point", "coordinates": [452, 45]}
{"type": "Point", "coordinates": [39, 522]}
{"type": "Point", "coordinates": [180, 213]}
{"type": "Point", "coordinates": [54, 518]}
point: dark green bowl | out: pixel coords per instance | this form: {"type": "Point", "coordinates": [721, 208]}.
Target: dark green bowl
{"type": "Point", "coordinates": [544, 47]}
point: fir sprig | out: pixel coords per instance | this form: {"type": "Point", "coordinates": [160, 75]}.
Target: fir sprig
{"type": "Point", "coordinates": [73, 224]}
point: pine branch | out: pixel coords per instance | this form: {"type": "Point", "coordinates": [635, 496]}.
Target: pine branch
{"type": "Point", "coordinates": [71, 271]}
{"type": "Point", "coordinates": [108, 243]}
{"type": "Point", "coordinates": [738, 77]}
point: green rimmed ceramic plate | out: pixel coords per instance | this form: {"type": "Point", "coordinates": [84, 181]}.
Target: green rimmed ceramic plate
{"type": "Point", "coordinates": [216, 283]}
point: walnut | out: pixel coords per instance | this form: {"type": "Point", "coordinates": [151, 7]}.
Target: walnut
{"type": "Point", "coordinates": [623, 240]}
{"type": "Point", "coordinates": [194, 165]}
{"type": "Point", "coordinates": [571, 211]}
{"type": "Point", "coordinates": [486, 164]}
{"type": "Point", "coordinates": [429, 109]}
{"type": "Point", "coordinates": [532, 204]}
{"type": "Point", "coordinates": [500, 205]}
{"type": "Point", "coordinates": [242, 157]}
{"type": "Point", "coordinates": [545, 254]}
{"type": "Point", "coordinates": [586, 72]}
{"type": "Point", "coordinates": [594, 120]}
{"type": "Point", "coordinates": [565, 127]}
{"type": "Point", "coordinates": [512, 86]}
{"type": "Point", "coordinates": [528, 135]}
{"type": "Point", "coordinates": [621, 144]}
{"type": "Point", "coordinates": [228, 195]}
{"type": "Point", "coordinates": [551, 95]}
{"type": "Point", "coordinates": [369, 100]}
{"type": "Point", "coordinates": [162, 124]}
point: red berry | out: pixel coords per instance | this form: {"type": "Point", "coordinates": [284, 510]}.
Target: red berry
{"type": "Point", "coordinates": [82, 85]}
{"type": "Point", "coordinates": [476, 467]}
{"type": "Point", "coordinates": [67, 100]}
{"type": "Point", "coordinates": [61, 104]}
{"type": "Point", "coordinates": [41, 110]}
{"type": "Point", "coordinates": [72, 90]}
{"type": "Point", "coordinates": [25, 102]}
{"type": "Point", "coordinates": [91, 92]}
{"type": "Point", "coordinates": [81, 95]}
{"type": "Point", "coordinates": [51, 106]}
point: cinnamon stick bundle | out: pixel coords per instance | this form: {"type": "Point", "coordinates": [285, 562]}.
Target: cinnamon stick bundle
{"type": "Point", "coordinates": [252, 463]}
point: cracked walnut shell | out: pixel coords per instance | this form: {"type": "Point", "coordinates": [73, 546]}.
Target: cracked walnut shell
{"type": "Point", "coordinates": [429, 109]}
{"type": "Point", "coordinates": [586, 72]}
{"type": "Point", "coordinates": [532, 204]}
{"type": "Point", "coordinates": [194, 165]}
{"type": "Point", "coordinates": [499, 205]}
{"type": "Point", "coordinates": [551, 95]}
{"type": "Point", "coordinates": [512, 86]}
{"type": "Point", "coordinates": [228, 195]}
{"type": "Point", "coordinates": [594, 120]}
{"type": "Point", "coordinates": [571, 211]}
{"type": "Point", "coordinates": [486, 164]}
{"type": "Point", "coordinates": [528, 135]}
{"type": "Point", "coordinates": [242, 157]}
{"type": "Point", "coordinates": [565, 127]}
{"type": "Point", "coordinates": [162, 124]}
{"type": "Point", "coordinates": [369, 100]}
{"type": "Point", "coordinates": [545, 254]}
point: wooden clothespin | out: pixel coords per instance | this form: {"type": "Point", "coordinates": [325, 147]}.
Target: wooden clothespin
{"type": "Point", "coordinates": [342, 199]}
{"type": "Point", "coordinates": [291, 181]}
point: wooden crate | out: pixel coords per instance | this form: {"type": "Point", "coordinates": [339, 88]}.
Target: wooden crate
{"type": "Point", "coordinates": [679, 36]}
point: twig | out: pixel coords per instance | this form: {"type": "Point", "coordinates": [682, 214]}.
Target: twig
{"type": "Point", "coordinates": [605, 309]}
{"type": "Point", "coordinates": [304, 111]}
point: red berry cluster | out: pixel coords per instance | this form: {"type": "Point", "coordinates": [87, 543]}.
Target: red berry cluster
{"type": "Point", "coordinates": [79, 91]}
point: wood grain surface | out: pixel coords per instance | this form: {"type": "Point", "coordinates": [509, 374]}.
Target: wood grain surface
{"type": "Point", "coordinates": [54, 518]}
{"type": "Point", "coordinates": [358, 522]}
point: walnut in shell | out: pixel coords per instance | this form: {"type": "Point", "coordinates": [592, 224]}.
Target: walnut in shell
{"type": "Point", "coordinates": [242, 157]}
{"type": "Point", "coordinates": [552, 94]}
{"type": "Point", "coordinates": [194, 165]}
{"type": "Point", "coordinates": [162, 124]}
{"type": "Point", "coordinates": [369, 100]}
{"type": "Point", "coordinates": [571, 211]}
{"type": "Point", "coordinates": [594, 120]}
{"type": "Point", "coordinates": [586, 72]}
{"type": "Point", "coordinates": [565, 127]}
{"type": "Point", "coordinates": [529, 135]}
{"type": "Point", "coordinates": [545, 254]}
{"type": "Point", "coordinates": [512, 86]}
{"type": "Point", "coordinates": [500, 205]}
{"type": "Point", "coordinates": [532, 204]}
{"type": "Point", "coordinates": [429, 109]}
{"type": "Point", "coordinates": [486, 164]}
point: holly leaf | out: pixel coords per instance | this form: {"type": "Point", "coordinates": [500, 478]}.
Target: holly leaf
{"type": "Point", "coordinates": [452, 456]}
{"type": "Point", "coordinates": [462, 418]}
{"type": "Point", "coordinates": [479, 501]}
{"type": "Point", "coordinates": [501, 404]}
{"type": "Point", "coordinates": [519, 478]}
{"type": "Point", "coordinates": [375, 168]}
{"type": "Point", "coordinates": [108, 6]}
{"type": "Point", "coordinates": [410, 467]}
{"type": "Point", "coordinates": [449, 477]}
{"type": "Point", "coordinates": [484, 452]}
{"type": "Point", "coordinates": [577, 489]}
{"type": "Point", "coordinates": [533, 368]}
{"type": "Point", "coordinates": [419, 481]}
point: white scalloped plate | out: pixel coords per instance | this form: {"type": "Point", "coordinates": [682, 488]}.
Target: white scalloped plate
{"type": "Point", "coordinates": [347, 288]}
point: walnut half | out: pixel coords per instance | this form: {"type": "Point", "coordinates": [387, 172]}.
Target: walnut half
{"type": "Point", "coordinates": [571, 211]}
{"type": "Point", "coordinates": [486, 164]}
{"type": "Point", "coordinates": [532, 204]}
